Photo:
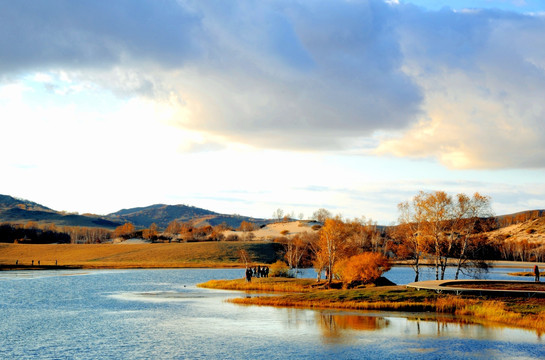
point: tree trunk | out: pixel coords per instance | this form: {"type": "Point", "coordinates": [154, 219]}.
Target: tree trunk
{"type": "Point", "coordinates": [436, 267]}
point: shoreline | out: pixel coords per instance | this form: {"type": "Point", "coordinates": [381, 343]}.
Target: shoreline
{"type": "Point", "coordinates": [130, 256]}
{"type": "Point", "coordinates": [491, 263]}
{"type": "Point", "coordinates": [26, 267]}
{"type": "Point", "coordinates": [165, 255]}
{"type": "Point", "coordinates": [219, 265]}
{"type": "Point", "coordinates": [521, 312]}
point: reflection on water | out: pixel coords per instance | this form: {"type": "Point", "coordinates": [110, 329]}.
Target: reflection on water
{"type": "Point", "coordinates": [142, 314]}
{"type": "Point", "coordinates": [335, 328]}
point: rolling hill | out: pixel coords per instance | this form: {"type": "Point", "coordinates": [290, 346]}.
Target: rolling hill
{"type": "Point", "coordinates": [14, 210]}
{"type": "Point", "coordinates": [162, 215]}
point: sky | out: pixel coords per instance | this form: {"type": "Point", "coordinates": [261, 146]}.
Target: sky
{"type": "Point", "coordinates": [249, 106]}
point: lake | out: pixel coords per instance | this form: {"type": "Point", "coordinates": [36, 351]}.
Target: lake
{"type": "Point", "coordinates": [149, 314]}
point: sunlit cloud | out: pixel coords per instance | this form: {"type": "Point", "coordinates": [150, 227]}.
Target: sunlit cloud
{"type": "Point", "coordinates": [273, 97]}
{"type": "Point", "coordinates": [306, 76]}
{"type": "Point", "coordinates": [482, 83]}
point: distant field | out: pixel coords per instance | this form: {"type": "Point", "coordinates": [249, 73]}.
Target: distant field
{"type": "Point", "coordinates": [203, 254]}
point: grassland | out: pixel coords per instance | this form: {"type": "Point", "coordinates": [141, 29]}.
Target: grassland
{"type": "Point", "coordinates": [271, 284]}
{"type": "Point", "coordinates": [174, 255]}
{"type": "Point", "coordinates": [304, 293]}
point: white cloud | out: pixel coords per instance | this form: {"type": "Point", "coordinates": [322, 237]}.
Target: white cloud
{"type": "Point", "coordinates": [461, 87]}
{"type": "Point", "coordinates": [216, 95]}
{"type": "Point", "coordinates": [482, 76]}
{"type": "Point", "coordinates": [281, 72]}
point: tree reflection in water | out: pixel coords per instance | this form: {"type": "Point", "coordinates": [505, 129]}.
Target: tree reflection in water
{"type": "Point", "coordinates": [336, 328]}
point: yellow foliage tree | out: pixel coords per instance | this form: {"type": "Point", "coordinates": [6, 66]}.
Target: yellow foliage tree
{"type": "Point", "coordinates": [247, 226]}
{"type": "Point", "coordinates": [332, 244]}
{"type": "Point", "coordinates": [363, 268]}
{"type": "Point", "coordinates": [123, 230]}
{"type": "Point", "coordinates": [151, 232]}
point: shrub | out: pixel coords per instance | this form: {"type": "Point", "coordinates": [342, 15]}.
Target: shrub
{"type": "Point", "coordinates": [279, 269]}
{"type": "Point", "coordinates": [316, 227]}
{"type": "Point", "coordinates": [247, 226]}
{"type": "Point", "coordinates": [281, 240]}
{"type": "Point", "coordinates": [364, 268]}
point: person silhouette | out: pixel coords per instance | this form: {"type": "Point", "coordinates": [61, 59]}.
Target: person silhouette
{"type": "Point", "coordinates": [248, 274]}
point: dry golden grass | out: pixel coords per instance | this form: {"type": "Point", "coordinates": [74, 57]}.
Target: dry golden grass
{"type": "Point", "coordinates": [481, 311]}
{"type": "Point", "coordinates": [205, 254]}
{"type": "Point", "coordinates": [532, 231]}
{"type": "Point", "coordinates": [262, 284]}
{"type": "Point", "coordinates": [519, 312]}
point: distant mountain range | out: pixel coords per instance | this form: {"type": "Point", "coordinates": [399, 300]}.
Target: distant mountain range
{"type": "Point", "coordinates": [162, 215]}
{"type": "Point", "coordinates": [16, 210]}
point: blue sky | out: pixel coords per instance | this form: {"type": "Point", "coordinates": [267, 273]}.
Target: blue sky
{"type": "Point", "coordinates": [250, 106]}
{"type": "Point", "coordinates": [523, 6]}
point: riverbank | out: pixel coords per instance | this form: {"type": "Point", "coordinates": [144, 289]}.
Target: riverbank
{"type": "Point", "coordinates": [124, 255]}
{"type": "Point", "coordinates": [526, 313]}
{"type": "Point", "coordinates": [130, 256]}
{"type": "Point", "coordinates": [490, 263]}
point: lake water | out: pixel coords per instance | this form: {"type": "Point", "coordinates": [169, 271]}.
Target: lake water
{"type": "Point", "coordinates": [161, 314]}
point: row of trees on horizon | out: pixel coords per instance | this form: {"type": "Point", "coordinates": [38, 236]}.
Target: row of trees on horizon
{"type": "Point", "coordinates": [433, 227]}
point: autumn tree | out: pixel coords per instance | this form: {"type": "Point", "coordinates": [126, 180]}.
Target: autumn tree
{"type": "Point", "coordinates": [441, 226]}
{"type": "Point", "coordinates": [173, 228]}
{"type": "Point", "coordinates": [31, 224]}
{"type": "Point", "coordinates": [244, 257]}
{"type": "Point", "coordinates": [321, 215]}
{"type": "Point", "coordinates": [410, 232]}
{"type": "Point", "coordinates": [332, 243]}
{"type": "Point", "coordinates": [278, 214]}
{"type": "Point", "coordinates": [247, 226]}
{"type": "Point", "coordinates": [362, 268]}
{"type": "Point", "coordinates": [294, 249]}
{"type": "Point", "coordinates": [319, 258]}
{"type": "Point", "coordinates": [125, 230]}
{"type": "Point", "coordinates": [424, 225]}
{"type": "Point", "coordinates": [437, 211]}
{"type": "Point", "coordinates": [218, 232]}
{"type": "Point", "coordinates": [186, 231]}
{"type": "Point", "coordinates": [200, 233]}
{"type": "Point", "coordinates": [365, 235]}
{"type": "Point", "coordinates": [150, 233]}
{"type": "Point", "coordinates": [470, 215]}
{"type": "Point", "coordinates": [87, 235]}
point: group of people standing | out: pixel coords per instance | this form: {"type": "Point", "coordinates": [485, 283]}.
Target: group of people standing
{"type": "Point", "coordinates": [257, 271]}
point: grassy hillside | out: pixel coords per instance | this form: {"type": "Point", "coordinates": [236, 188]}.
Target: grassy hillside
{"type": "Point", "coordinates": [13, 210]}
{"type": "Point", "coordinates": [159, 214]}
{"type": "Point", "coordinates": [516, 218]}
{"type": "Point", "coordinates": [532, 231]}
{"type": "Point", "coordinates": [8, 202]}
{"type": "Point", "coordinates": [173, 255]}
{"type": "Point", "coordinates": [17, 215]}
{"type": "Point", "coordinates": [162, 215]}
